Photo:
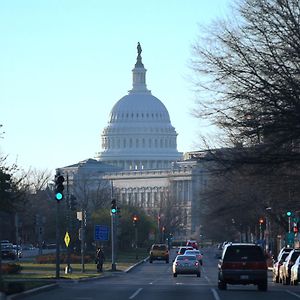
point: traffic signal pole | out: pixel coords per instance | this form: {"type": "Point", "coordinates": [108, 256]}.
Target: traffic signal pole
{"type": "Point", "coordinates": [59, 187]}
{"type": "Point", "coordinates": [57, 241]}
{"type": "Point", "coordinates": [113, 256]}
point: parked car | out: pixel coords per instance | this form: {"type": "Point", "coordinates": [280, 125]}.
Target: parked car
{"type": "Point", "coordinates": [18, 251]}
{"type": "Point", "coordinates": [159, 252]}
{"type": "Point", "coordinates": [7, 251]}
{"type": "Point", "coordinates": [186, 264]}
{"type": "Point", "coordinates": [285, 268]}
{"type": "Point", "coordinates": [285, 249]}
{"type": "Point", "coordinates": [192, 243]}
{"type": "Point", "coordinates": [197, 253]}
{"type": "Point", "coordinates": [277, 264]}
{"type": "Point", "coordinates": [243, 264]}
{"type": "Point", "coordinates": [295, 272]}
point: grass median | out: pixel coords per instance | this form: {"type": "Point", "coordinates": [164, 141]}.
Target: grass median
{"type": "Point", "coordinates": [34, 274]}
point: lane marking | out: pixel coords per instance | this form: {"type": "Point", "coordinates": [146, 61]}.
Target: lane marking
{"type": "Point", "coordinates": [294, 294]}
{"type": "Point", "coordinates": [215, 294]}
{"type": "Point", "coordinates": [207, 279]}
{"type": "Point", "coordinates": [135, 293]}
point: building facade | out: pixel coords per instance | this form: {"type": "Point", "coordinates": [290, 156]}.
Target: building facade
{"type": "Point", "coordinates": [141, 162]}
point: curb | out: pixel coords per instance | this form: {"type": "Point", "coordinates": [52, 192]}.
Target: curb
{"type": "Point", "coordinates": [137, 264]}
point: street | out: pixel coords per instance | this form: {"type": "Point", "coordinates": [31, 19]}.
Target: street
{"type": "Point", "coordinates": [155, 281]}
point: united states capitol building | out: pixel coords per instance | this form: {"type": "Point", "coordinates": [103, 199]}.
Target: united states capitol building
{"type": "Point", "coordinates": [140, 161]}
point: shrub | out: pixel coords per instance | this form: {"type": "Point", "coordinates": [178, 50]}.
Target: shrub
{"type": "Point", "coordinates": [11, 268]}
{"type": "Point", "coordinates": [51, 258]}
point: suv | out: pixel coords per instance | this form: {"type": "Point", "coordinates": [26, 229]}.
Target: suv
{"type": "Point", "coordinates": [159, 252]}
{"type": "Point", "coordinates": [243, 264]}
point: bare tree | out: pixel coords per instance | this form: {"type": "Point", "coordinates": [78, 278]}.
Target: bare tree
{"type": "Point", "coordinates": [249, 78]}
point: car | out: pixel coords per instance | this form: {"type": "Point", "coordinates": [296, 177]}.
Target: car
{"type": "Point", "coordinates": [276, 265]}
{"type": "Point", "coordinates": [197, 253]}
{"type": "Point", "coordinates": [284, 249]}
{"type": "Point", "coordinates": [243, 263]}
{"type": "Point", "coordinates": [192, 243]}
{"type": "Point", "coordinates": [186, 264]}
{"type": "Point", "coordinates": [159, 252]}
{"type": "Point", "coordinates": [7, 251]}
{"type": "Point", "coordinates": [295, 272]}
{"type": "Point", "coordinates": [285, 268]}
{"type": "Point", "coordinates": [18, 251]}
{"type": "Point", "coordinates": [181, 250]}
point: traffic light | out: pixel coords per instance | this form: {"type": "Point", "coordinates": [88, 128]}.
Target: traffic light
{"type": "Point", "coordinates": [261, 221]}
{"type": "Point", "coordinates": [289, 213]}
{"type": "Point", "coordinates": [59, 187]}
{"type": "Point", "coordinates": [135, 220]}
{"type": "Point", "coordinates": [113, 208]}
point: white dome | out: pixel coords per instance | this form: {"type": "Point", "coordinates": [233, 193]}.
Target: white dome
{"type": "Point", "coordinates": [139, 134]}
{"type": "Point", "coordinates": [139, 107]}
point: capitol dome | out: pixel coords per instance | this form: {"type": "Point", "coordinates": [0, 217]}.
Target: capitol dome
{"type": "Point", "coordinates": [139, 134]}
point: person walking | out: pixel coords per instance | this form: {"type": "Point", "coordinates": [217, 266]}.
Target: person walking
{"type": "Point", "coordinates": [99, 259]}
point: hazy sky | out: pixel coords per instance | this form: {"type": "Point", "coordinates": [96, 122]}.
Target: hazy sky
{"type": "Point", "coordinates": [65, 63]}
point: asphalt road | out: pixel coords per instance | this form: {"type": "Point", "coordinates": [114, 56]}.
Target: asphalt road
{"type": "Point", "coordinates": [155, 281]}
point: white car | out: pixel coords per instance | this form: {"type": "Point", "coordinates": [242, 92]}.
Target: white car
{"type": "Point", "coordinates": [295, 272]}
{"type": "Point", "coordinates": [197, 253]}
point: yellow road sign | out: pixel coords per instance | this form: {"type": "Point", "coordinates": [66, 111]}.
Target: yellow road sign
{"type": "Point", "coordinates": [67, 239]}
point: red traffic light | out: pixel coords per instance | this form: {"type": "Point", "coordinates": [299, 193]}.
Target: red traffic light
{"type": "Point", "coordinates": [261, 221]}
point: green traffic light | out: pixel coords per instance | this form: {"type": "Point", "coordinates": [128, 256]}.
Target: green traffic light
{"type": "Point", "coordinates": [58, 196]}
{"type": "Point", "coordinates": [113, 210]}
{"type": "Point", "coordinates": [288, 213]}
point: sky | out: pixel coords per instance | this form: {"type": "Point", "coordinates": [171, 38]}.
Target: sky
{"type": "Point", "coordinates": [65, 63]}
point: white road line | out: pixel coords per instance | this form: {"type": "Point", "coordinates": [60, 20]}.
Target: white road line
{"type": "Point", "coordinates": [208, 280]}
{"type": "Point", "coordinates": [294, 294]}
{"type": "Point", "coordinates": [216, 295]}
{"type": "Point", "coordinates": [135, 293]}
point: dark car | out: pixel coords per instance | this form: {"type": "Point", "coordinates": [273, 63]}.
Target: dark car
{"type": "Point", "coordinates": [243, 264]}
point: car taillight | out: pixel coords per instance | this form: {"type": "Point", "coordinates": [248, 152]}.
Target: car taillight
{"type": "Point", "coordinates": [244, 265]}
{"type": "Point", "coordinates": [228, 265]}
{"type": "Point", "coordinates": [257, 265]}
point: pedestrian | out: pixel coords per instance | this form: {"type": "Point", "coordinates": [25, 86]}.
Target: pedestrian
{"type": "Point", "coordinates": [99, 259]}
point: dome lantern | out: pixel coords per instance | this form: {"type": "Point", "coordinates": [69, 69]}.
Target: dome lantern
{"type": "Point", "coordinates": [139, 75]}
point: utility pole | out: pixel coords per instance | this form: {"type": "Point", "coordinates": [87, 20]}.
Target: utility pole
{"type": "Point", "coordinates": [83, 223]}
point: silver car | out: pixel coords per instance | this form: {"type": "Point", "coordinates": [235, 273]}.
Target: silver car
{"type": "Point", "coordinates": [186, 264]}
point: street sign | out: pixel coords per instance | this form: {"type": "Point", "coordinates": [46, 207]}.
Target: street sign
{"type": "Point", "coordinates": [67, 239]}
{"type": "Point", "coordinates": [101, 233]}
